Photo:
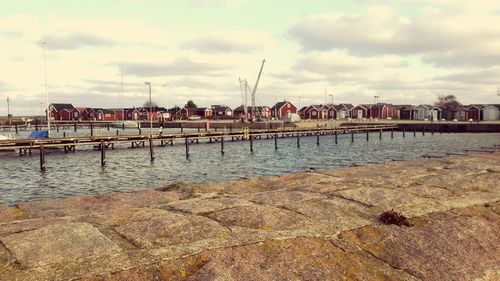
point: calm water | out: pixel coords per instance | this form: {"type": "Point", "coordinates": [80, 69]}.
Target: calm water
{"type": "Point", "coordinates": [130, 169]}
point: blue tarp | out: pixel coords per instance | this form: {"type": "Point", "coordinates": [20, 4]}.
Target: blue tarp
{"type": "Point", "coordinates": [44, 134]}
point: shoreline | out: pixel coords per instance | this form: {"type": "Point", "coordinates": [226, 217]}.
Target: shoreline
{"type": "Point", "coordinates": [315, 225]}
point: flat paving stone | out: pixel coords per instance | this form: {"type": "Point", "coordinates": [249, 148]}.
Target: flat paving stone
{"type": "Point", "coordinates": [262, 217]}
{"type": "Point", "coordinates": [339, 213]}
{"type": "Point", "coordinates": [282, 197]}
{"type": "Point", "coordinates": [440, 246]}
{"type": "Point", "coordinates": [155, 228]}
{"type": "Point", "coordinates": [202, 205]}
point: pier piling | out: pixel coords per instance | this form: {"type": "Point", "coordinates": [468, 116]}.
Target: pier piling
{"type": "Point", "coordinates": [423, 131]}
{"type": "Point", "coordinates": [352, 136]}
{"type": "Point", "coordinates": [317, 138]}
{"type": "Point", "coordinates": [222, 145]}
{"type": "Point", "coordinates": [103, 153]}
{"type": "Point", "coordinates": [392, 133]}
{"type": "Point", "coordinates": [336, 142]}
{"type": "Point", "coordinates": [275, 141]}
{"type": "Point", "coordinates": [414, 132]}
{"type": "Point", "coordinates": [151, 148]}
{"type": "Point", "coordinates": [74, 127]}
{"type": "Point", "coordinates": [42, 158]}
{"type": "Point", "coordinates": [404, 132]}
{"type": "Point", "coordinates": [251, 143]}
{"type": "Point", "coordinates": [16, 129]}
{"type": "Point", "coordinates": [91, 129]}
{"type": "Point", "coordinates": [380, 134]}
{"type": "Point", "coordinates": [367, 136]}
{"type": "Point", "coordinates": [187, 147]}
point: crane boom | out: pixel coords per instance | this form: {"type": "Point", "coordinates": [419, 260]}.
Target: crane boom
{"type": "Point", "coordinates": [254, 90]}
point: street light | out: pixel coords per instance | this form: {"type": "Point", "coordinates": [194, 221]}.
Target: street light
{"type": "Point", "coordinates": [332, 105]}
{"type": "Point", "coordinates": [150, 111]}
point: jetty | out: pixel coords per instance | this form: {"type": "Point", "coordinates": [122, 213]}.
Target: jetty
{"type": "Point", "coordinates": [70, 144]}
{"type": "Point", "coordinates": [435, 219]}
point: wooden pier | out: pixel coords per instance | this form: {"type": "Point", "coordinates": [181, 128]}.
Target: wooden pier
{"type": "Point", "coordinates": [102, 143]}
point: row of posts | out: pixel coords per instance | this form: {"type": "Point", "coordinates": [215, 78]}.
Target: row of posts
{"type": "Point", "coordinates": [102, 145]}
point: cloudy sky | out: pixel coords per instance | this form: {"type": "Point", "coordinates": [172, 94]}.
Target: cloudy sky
{"type": "Point", "coordinates": [405, 51]}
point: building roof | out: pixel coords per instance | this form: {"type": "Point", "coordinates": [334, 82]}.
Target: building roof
{"type": "Point", "coordinates": [61, 106]}
{"type": "Point", "coordinates": [347, 106]}
{"type": "Point", "coordinates": [220, 107]}
{"type": "Point", "coordinates": [279, 105]}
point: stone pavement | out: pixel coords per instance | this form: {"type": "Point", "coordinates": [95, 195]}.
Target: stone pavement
{"type": "Point", "coordinates": [321, 225]}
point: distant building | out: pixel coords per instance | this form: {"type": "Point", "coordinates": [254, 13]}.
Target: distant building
{"type": "Point", "coordinates": [221, 111]}
{"type": "Point", "coordinates": [491, 112]}
{"type": "Point", "coordinates": [360, 111]}
{"type": "Point", "coordinates": [263, 111]}
{"type": "Point", "coordinates": [281, 109]}
{"type": "Point", "coordinates": [61, 111]}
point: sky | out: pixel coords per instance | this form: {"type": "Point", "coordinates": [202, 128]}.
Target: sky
{"type": "Point", "coordinates": [315, 51]}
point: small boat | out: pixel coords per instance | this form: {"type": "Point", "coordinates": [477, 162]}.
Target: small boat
{"type": "Point", "coordinates": [126, 124]}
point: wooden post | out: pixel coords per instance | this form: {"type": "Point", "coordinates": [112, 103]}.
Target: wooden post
{"type": "Point", "coordinates": [187, 147]}
{"type": "Point", "coordinates": [317, 138]}
{"type": "Point", "coordinates": [251, 143]}
{"type": "Point", "coordinates": [123, 126]}
{"type": "Point", "coordinates": [392, 133]}
{"type": "Point", "coordinates": [380, 135]}
{"type": "Point", "coordinates": [16, 129]}
{"type": "Point", "coordinates": [42, 158]}
{"type": "Point", "coordinates": [298, 140]}
{"type": "Point", "coordinates": [404, 132]}
{"type": "Point", "coordinates": [352, 136]}
{"type": "Point", "coordinates": [57, 127]}
{"type": "Point", "coordinates": [151, 148]}
{"type": "Point", "coordinates": [222, 145]}
{"type": "Point", "coordinates": [64, 134]}
{"type": "Point", "coordinates": [74, 127]}
{"type": "Point", "coordinates": [107, 125]}
{"type": "Point", "coordinates": [140, 131]}
{"type": "Point", "coordinates": [117, 132]}
{"type": "Point", "coordinates": [423, 131]}
{"type": "Point", "coordinates": [414, 132]}
{"type": "Point", "coordinates": [103, 153]}
{"type": "Point", "coordinates": [275, 141]}
{"type": "Point", "coordinates": [367, 135]}
{"type": "Point", "coordinates": [91, 129]}
{"type": "Point", "coordinates": [336, 137]}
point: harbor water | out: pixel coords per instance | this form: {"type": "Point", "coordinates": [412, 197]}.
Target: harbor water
{"type": "Point", "coordinates": [80, 173]}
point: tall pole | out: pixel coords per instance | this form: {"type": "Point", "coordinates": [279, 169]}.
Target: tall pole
{"type": "Point", "coordinates": [150, 110]}
{"type": "Point", "coordinates": [46, 90]}
{"type": "Point", "coordinates": [123, 109]}
{"type": "Point", "coordinates": [8, 111]}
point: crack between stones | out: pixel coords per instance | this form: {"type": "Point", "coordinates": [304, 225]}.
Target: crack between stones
{"type": "Point", "coordinates": [353, 200]}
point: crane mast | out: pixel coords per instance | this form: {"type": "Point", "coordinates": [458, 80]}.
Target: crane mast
{"type": "Point", "coordinates": [255, 89]}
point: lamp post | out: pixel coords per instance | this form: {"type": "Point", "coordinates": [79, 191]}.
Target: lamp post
{"type": "Point", "coordinates": [150, 110]}
{"type": "Point", "coordinates": [332, 105]}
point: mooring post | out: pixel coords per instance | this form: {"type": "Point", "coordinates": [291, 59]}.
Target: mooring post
{"type": "Point", "coordinates": [42, 158]}
{"type": "Point", "coordinates": [222, 145]}
{"type": "Point", "coordinates": [16, 129]}
{"type": "Point", "coordinates": [103, 153]}
{"type": "Point", "coordinates": [367, 136]}
{"type": "Point", "coordinates": [414, 132]}
{"type": "Point", "coordinates": [392, 133]}
{"type": "Point", "coordinates": [352, 136]}
{"type": "Point", "coordinates": [423, 131]}
{"type": "Point", "coordinates": [251, 143]}
{"type": "Point", "coordinates": [74, 127]}
{"type": "Point", "coordinates": [117, 132]}
{"type": "Point", "coordinates": [123, 126]}
{"type": "Point", "coordinates": [187, 147]}
{"type": "Point", "coordinates": [336, 137]}
{"type": "Point", "coordinates": [380, 134]}
{"type": "Point", "coordinates": [404, 132]}
{"type": "Point", "coordinates": [91, 129]}
{"type": "Point", "coordinates": [317, 138]}
{"type": "Point", "coordinates": [275, 141]}
{"type": "Point", "coordinates": [151, 148]}
{"type": "Point", "coordinates": [298, 140]}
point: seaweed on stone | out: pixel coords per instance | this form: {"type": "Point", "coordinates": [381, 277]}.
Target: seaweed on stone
{"type": "Point", "coordinates": [393, 217]}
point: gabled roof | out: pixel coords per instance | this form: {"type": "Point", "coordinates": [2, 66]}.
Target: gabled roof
{"type": "Point", "coordinates": [318, 107]}
{"type": "Point", "coordinates": [428, 106]}
{"type": "Point", "coordinates": [303, 109]}
{"type": "Point", "coordinates": [249, 108]}
{"type": "Point", "coordinates": [347, 106]}
{"type": "Point", "coordinates": [280, 104]}
{"type": "Point", "coordinates": [361, 105]}
{"type": "Point", "coordinates": [220, 107]}
{"type": "Point", "coordinates": [61, 106]}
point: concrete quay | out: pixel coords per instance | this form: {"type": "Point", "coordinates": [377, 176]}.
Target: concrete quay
{"type": "Point", "coordinates": [318, 225]}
